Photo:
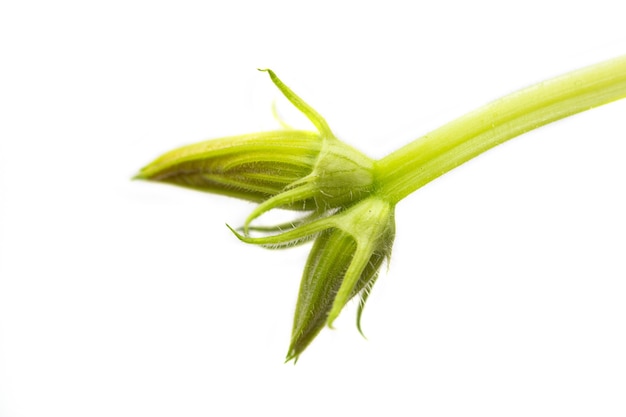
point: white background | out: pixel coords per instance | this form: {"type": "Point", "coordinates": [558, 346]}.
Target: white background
{"type": "Point", "coordinates": [505, 295]}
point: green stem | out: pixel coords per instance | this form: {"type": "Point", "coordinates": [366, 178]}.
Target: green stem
{"type": "Point", "coordinates": [411, 167]}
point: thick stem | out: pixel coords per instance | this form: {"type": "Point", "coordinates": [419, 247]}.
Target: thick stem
{"type": "Point", "coordinates": [409, 168]}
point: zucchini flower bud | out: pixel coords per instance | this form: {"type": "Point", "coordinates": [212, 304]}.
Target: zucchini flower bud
{"type": "Point", "coordinates": [288, 169]}
{"type": "Point", "coordinates": [350, 247]}
{"type": "Point", "coordinates": [353, 228]}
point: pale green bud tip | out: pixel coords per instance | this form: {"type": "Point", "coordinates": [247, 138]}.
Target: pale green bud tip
{"type": "Point", "coordinates": [253, 167]}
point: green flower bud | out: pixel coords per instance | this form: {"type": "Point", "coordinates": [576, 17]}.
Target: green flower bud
{"type": "Point", "coordinates": [299, 170]}
{"type": "Point", "coordinates": [348, 252]}
{"type": "Point", "coordinates": [289, 169]}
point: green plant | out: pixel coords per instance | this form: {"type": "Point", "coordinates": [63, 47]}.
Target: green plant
{"type": "Point", "coordinates": [348, 199]}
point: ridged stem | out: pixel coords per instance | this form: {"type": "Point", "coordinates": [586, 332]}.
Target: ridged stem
{"type": "Point", "coordinates": [416, 164]}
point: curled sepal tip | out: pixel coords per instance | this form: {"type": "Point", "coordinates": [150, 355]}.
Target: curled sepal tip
{"type": "Point", "coordinates": [318, 121]}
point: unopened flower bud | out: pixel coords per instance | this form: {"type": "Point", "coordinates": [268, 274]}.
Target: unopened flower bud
{"type": "Point", "coordinates": [350, 247]}
{"type": "Point", "coordinates": [289, 169]}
